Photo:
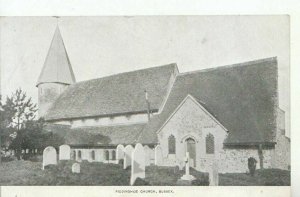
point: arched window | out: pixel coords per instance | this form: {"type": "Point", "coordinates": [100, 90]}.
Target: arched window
{"type": "Point", "coordinates": [74, 155]}
{"type": "Point", "coordinates": [107, 155]}
{"type": "Point", "coordinates": [172, 144]}
{"type": "Point", "coordinates": [93, 155]}
{"type": "Point", "coordinates": [113, 155]}
{"type": "Point", "coordinates": [79, 154]}
{"type": "Point", "coordinates": [210, 144]}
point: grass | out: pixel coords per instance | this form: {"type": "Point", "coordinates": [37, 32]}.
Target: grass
{"type": "Point", "coordinates": [30, 173]}
{"type": "Point", "coordinates": [265, 177]}
{"type": "Point", "coordinates": [168, 176]}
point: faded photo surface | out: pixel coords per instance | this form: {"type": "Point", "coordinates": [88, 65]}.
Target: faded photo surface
{"type": "Point", "coordinates": [145, 101]}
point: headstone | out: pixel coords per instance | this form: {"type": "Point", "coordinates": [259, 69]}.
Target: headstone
{"type": "Point", "coordinates": [64, 152]}
{"type": "Point", "coordinates": [36, 150]}
{"type": "Point", "coordinates": [76, 168]}
{"type": "Point", "coordinates": [23, 151]}
{"type": "Point", "coordinates": [147, 155]}
{"type": "Point", "coordinates": [158, 155]}
{"type": "Point", "coordinates": [127, 156]}
{"type": "Point", "coordinates": [13, 152]}
{"type": "Point", "coordinates": [120, 152]}
{"type": "Point", "coordinates": [137, 163]}
{"type": "Point", "coordinates": [214, 175]}
{"type": "Point", "coordinates": [187, 175]}
{"type": "Point", "coordinates": [27, 151]}
{"type": "Point", "coordinates": [49, 156]}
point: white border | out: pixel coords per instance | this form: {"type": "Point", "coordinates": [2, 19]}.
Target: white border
{"type": "Point", "coordinates": [184, 7]}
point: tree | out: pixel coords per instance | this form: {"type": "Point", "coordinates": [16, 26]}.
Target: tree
{"type": "Point", "coordinates": [5, 118]}
{"type": "Point", "coordinates": [22, 108]}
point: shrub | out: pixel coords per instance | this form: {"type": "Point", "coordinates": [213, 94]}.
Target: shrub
{"type": "Point", "coordinates": [121, 162]}
{"type": "Point", "coordinates": [141, 182]}
{"type": "Point", "coordinates": [7, 159]}
{"type": "Point", "coordinates": [200, 182]}
{"type": "Point", "coordinates": [252, 165]}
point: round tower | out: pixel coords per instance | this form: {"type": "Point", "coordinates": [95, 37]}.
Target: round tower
{"type": "Point", "coordinates": [56, 75]}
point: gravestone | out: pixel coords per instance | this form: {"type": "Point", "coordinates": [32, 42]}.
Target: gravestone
{"type": "Point", "coordinates": [120, 152]}
{"type": "Point", "coordinates": [64, 152]}
{"type": "Point", "coordinates": [158, 155]}
{"type": "Point", "coordinates": [214, 175]}
{"type": "Point", "coordinates": [49, 156]}
{"type": "Point", "coordinates": [27, 151]}
{"type": "Point", "coordinates": [127, 156]}
{"type": "Point", "coordinates": [76, 168]}
{"type": "Point", "coordinates": [137, 163]}
{"type": "Point", "coordinates": [187, 176]}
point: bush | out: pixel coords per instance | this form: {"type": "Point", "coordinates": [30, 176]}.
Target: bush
{"type": "Point", "coordinates": [7, 159]}
{"type": "Point", "coordinates": [201, 182]}
{"type": "Point", "coordinates": [252, 165]}
{"type": "Point", "coordinates": [141, 182]}
{"type": "Point", "coordinates": [121, 162]}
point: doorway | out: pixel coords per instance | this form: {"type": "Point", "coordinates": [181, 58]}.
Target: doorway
{"type": "Point", "coordinates": [191, 148]}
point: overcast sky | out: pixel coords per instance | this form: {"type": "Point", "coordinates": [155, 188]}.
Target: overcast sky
{"type": "Point", "coordinates": [100, 46]}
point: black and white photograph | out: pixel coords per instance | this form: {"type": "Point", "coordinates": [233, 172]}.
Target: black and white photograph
{"type": "Point", "coordinates": [145, 101]}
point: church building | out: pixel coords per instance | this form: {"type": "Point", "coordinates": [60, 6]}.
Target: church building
{"type": "Point", "coordinates": [225, 114]}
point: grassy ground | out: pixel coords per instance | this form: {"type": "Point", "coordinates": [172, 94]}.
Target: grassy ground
{"type": "Point", "coordinates": [270, 177]}
{"type": "Point", "coordinates": [30, 173]}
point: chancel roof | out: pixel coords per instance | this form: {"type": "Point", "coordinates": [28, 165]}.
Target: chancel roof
{"type": "Point", "coordinates": [242, 97]}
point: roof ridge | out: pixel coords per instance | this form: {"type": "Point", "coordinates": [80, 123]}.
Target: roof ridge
{"type": "Point", "coordinates": [127, 72]}
{"type": "Point", "coordinates": [101, 126]}
{"type": "Point", "coordinates": [247, 63]}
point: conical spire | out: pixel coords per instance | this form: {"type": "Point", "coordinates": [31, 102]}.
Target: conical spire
{"type": "Point", "coordinates": [57, 67]}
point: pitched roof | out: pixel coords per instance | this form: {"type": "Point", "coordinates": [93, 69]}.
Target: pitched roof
{"type": "Point", "coordinates": [242, 97]}
{"type": "Point", "coordinates": [57, 67]}
{"type": "Point", "coordinates": [116, 94]}
{"type": "Point", "coordinates": [108, 135]}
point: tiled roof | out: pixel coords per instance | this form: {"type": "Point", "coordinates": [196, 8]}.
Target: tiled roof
{"type": "Point", "coordinates": [108, 135]}
{"type": "Point", "coordinates": [117, 94]}
{"type": "Point", "coordinates": [242, 97]}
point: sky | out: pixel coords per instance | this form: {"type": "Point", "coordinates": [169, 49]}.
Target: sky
{"type": "Point", "coordinates": [101, 46]}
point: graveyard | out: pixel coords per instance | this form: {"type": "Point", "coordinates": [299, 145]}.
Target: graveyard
{"type": "Point", "coordinates": [59, 169]}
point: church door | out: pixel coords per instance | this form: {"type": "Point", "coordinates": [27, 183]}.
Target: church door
{"type": "Point", "coordinates": [191, 148]}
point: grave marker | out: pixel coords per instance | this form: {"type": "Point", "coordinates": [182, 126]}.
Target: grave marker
{"type": "Point", "coordinates": [76, 168]}
{"type": "Point", "coordinates": [49, 156]}
{"type": "Point", "coordinates": [120, 153]}
{"type": "Point", "coordinates": [187, 175]}
{"type": "Point", "coordinates": [158, 155]}
{"type": "Point", "coordinates": [214, 175]}
{"type": "Point", "coordinates": [137, 163]}
{"type": "Point", "coordinates": [127, 156]}
{"type": "Point", "coordinates": [64, 152]}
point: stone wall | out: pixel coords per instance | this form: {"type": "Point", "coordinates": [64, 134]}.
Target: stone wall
{"type": "Point", "coordinates": [99, 154]}
{"type": "Point", "coordinates": [190, 120]}
{"type": "Point", "coordinates": [48, 93]}
{"type": "Point", "coordinates": [236, 160]}
{"type": "Point", "coordinates": [282, 157]}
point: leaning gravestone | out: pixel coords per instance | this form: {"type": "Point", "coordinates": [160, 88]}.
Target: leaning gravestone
{"type": "Point", "coordinates": [147, 155]}
{"type": "Point", "coordinates": [137, 163]}
{"type": "Point", "coordinates": [120, 152]}
{"type": "Point", "coordinates": [214, 175]}
{"type": "Point", "coordinates": [127, 156]}
{"type": "Point", "coordinates": [49, 156]}
{"type": "Point", "coordinates": [64, 152]}
{"type": "Point", "coordinates": [76, 168]}
{"type": "Point", "coordinates": [158, 155]}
